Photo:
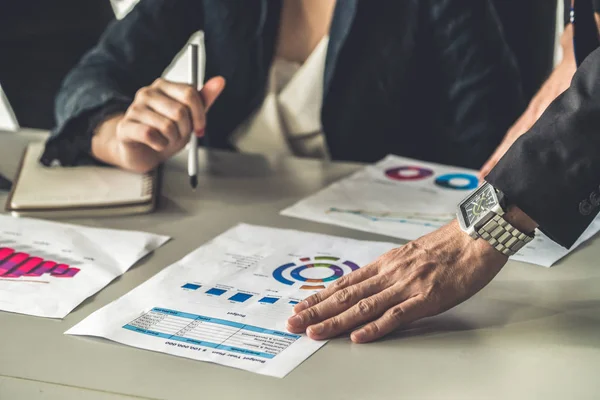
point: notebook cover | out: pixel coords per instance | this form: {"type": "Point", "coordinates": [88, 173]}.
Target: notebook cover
{"type": "Point", "coordinates": [80, 201]}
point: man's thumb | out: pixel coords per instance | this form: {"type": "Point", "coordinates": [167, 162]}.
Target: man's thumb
{"type": "Point", "coordinates": [211, 90]}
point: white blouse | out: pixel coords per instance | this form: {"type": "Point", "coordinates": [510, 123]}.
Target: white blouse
{"type": "Point", "coordinates": [289, 120]}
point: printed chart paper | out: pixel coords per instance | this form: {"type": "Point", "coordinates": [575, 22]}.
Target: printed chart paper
{"type": "Point", "coordinates": [228, 301]}
{"type": "Point", "coordinates": [407, 199]}
{"type": "Point", "coordinates": [48, 268]}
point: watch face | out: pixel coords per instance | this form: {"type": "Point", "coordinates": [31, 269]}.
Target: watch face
{"type": "Point", "coordinates": [478, 204]}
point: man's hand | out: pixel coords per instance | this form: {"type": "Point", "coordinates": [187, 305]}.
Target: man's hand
{"type": "Point", "coordinates": [556, 84]}
{"type": "Point", "coordinates": [156, 126]}
{"type": "Point", "coordinates": [421, 279]}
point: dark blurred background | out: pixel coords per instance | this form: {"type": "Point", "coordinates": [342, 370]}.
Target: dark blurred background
{"type": "Point", "coordinates": [40, 40]}
{"type": "Point", "coordinates": [530, 30]}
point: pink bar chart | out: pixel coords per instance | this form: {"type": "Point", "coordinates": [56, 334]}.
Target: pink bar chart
{"type": "Point", "coordinates": [15, 264]}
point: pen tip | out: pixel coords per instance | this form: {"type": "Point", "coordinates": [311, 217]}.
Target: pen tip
{"type": "Point", "coordinates": [194, 182]}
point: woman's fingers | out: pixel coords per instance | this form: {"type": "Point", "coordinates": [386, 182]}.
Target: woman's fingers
{"type": "Point", "coordinates": [136, 132]}
{"type": "Point", "coordinates": [518, 129]}
{"type": "Point", "coordinates": [196, 104]}
{"type": "Point", "coordinates": [171, 109]}
{"type": "Point", "coordinates": [211, 91]}
{"type": "Point", "coordinates": [165, 126]}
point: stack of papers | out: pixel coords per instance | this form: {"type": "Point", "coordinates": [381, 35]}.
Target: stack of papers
{"type": "Point", "coordinates": [406, 199]}
{"type": "Point", "coordinates": [47, 268]}
{"type": "Point", "coordinates": [228, 301]}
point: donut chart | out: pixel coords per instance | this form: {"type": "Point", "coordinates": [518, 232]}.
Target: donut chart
{"type": "Point", "coordinates": [458, 181]}
{"type": "Point", "coordinates": [296, 272]}
{"type": "Point", "coordinates": [408, 173]}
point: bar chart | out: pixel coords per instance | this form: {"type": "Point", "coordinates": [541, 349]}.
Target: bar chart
{"type": "Point", "coordinates": [240, 297]}
{"type": "Point", "coordinates": [234, 295]}
{"type": "Point", "coordinates": [268, 300]}
{"type": "Point", "coordinates": [16, 264]}
{"type": "Point", "coordinates": [216, 291]}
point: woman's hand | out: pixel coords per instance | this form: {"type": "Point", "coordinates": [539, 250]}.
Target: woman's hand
{"type": "Point", "coordinates": [421, 279]}
{"type": "Point", "coordinates": [156, 126]}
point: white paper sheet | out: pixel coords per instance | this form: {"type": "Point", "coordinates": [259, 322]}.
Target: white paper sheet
{"type": "Point", "coordinates": [8, 122]}
{"type": "Point", "coordinates": [48, 268]}
{"type": "Point", "coordinates": [407, 199]}
{"type": "Point", "coordinates": [228, 301]}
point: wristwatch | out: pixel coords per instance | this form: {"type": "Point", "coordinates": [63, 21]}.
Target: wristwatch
{"type": "Point", "coordinates": [481, 215]}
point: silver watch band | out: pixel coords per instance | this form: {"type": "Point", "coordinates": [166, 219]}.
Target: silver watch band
{"type": "Point", "coordinates": [503, 236]}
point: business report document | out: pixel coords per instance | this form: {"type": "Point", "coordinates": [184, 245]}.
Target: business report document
{"type": "Point", "coordinates": [406, 199]}
{"type": "Point", "coordinates": [48, 268]}
{"type": "Point", "coordinates": [228, 301]}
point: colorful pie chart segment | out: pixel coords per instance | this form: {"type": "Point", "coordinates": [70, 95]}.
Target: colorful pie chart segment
{"type": "Point", "coordinates": [408, 173]}
{"type": "Point", "coordinates": [302, 272]}
{"type": "Point", "coordinates": [457, 181]}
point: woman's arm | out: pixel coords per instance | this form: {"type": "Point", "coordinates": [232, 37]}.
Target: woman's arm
{"type": "Point", "coordinates": [131, 54]}
{"type": "Point", "coordinates": [557, 83]}
{"type": "Point", "coordinates": [478, 74]}
{"type": "Point", "coordinates": [552, 172]}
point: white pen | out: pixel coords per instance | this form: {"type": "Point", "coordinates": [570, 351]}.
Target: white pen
{"type": "Point", "coordinates": [193, 146]}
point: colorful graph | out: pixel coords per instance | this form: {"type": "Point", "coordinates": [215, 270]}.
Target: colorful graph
{"type": "Point", "coordinates": [457, 181]}
{"type": "Point", "coordinates": [408, 173]}
{"type": "Point", "coordinates": [15, 264]}
{"type": "Point", "coordinates": [292, 273]}
{"type": "Point", "coordinates": [454, 181]}
{"type": "Point", "coordinates": [415, 218]}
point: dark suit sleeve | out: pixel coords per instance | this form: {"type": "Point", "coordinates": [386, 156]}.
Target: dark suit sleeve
{"type": "Point", "coordinates": [553, 172]}
{"type": "Point", "coordinates": [131, 54]}
{"type": "Point", "coordinates": [479, 76]}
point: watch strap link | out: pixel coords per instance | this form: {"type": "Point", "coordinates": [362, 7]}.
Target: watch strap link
{"type": "Point", "coordinates": [503, 236]}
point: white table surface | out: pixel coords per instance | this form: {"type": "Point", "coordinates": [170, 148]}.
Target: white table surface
{"type": "Point", "coordinates": [532, 333]}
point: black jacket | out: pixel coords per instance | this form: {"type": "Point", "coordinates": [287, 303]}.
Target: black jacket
{"type": "Point", "coordinates": [429, 79]}
{"type": "Point", "coordinates": [553, 172]}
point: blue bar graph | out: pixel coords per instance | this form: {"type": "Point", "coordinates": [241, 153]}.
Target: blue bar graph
{"type": "Point", "coordinates": [294, 302]}
{"type": "Point", "coordinates": [240, 297]}
{"type": "Point", "coordinates": [268, 300]}
{"type": "Point", "coordinates": [216, 291]}
{"type": "Point", "coordinates": [191, 286]}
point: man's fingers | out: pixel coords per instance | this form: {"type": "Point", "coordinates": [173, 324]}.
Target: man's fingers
{"type": "Point", "coordinates": [397, 316]}
{"type": "Point", "coordinates": [337, 303]}
{"type": "Point", "coordinates": [140, 133]}
{"type": "Point", "coordinates": [367, 309]}
{"type": "Point", "coordinates": [355, 277]}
